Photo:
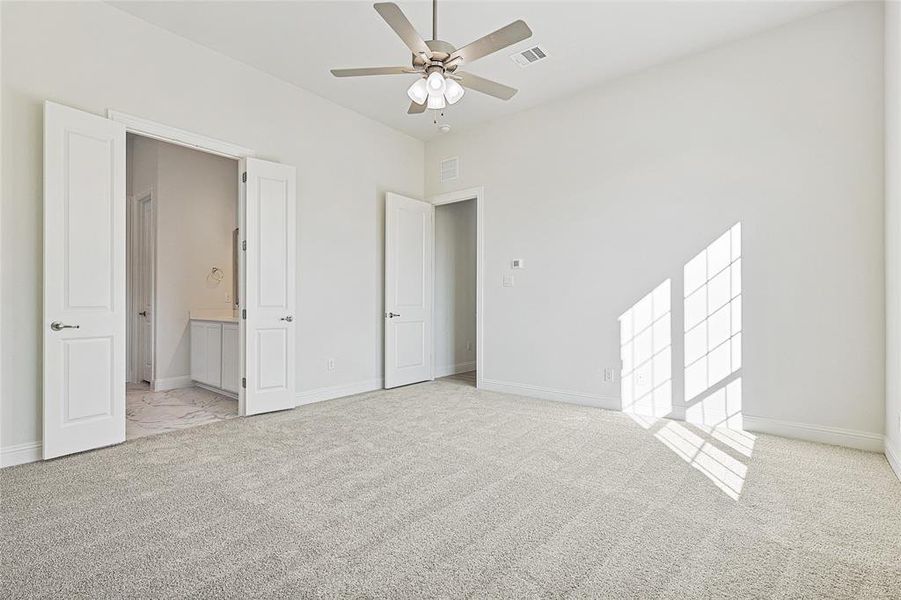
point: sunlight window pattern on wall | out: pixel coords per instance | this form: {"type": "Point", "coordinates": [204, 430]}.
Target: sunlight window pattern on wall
{"type": "Point", "coordinates": [713, 329]}
{"type": "Point", "coordinates": [646, 352]}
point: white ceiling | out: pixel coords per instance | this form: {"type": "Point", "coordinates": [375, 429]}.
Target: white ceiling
{"type": "Point", "coordinates": [587, 43]}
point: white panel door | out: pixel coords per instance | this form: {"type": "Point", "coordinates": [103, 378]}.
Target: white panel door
{"type": "Point", "coordinates": [145, 276]}
{"type": "Point", "coordinates": [84, 281]}
{"type": "Point", "coordinates": [268, 220]}
{"type": "Point", "coordinates": [409, 243]}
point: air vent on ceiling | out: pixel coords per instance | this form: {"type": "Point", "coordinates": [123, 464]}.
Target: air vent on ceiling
{"type": "Point", "coordinates": [527, 57]}
{"type": "Point", "coordinates": [450, 169]}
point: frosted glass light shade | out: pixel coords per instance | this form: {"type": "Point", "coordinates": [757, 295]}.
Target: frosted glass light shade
{"type": "Point", "coordinates": [453, 91]}
{"type": "Point", "coordinates": [436, 101]}
{"type": "Point", "coordinates": [435, 83]}
{"type": "Point", "coordinates": [419, 91]}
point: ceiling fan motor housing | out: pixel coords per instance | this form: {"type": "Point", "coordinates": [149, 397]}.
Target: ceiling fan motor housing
{"type": "Point", "coordinates": [441, 51]}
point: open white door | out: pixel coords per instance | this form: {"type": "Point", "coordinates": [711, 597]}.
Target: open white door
{"type": "Point", "coordinates": [84, 281]}
{"type": "Point", "coordinates": [267, 223]}
{"type": "Point", "coordinates": [409, 243]}
{"type": "Point", "coordinates": [144, 272]}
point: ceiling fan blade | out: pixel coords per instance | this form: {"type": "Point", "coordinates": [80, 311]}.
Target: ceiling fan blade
{"type": "Point", "coordinates": [402, 27]}
{"type": "Point", "coordinates": [416, 109]}
{"type": "Point", "coordinates": [516, 31]}
{"type": "Point", "coordinates": [486, 86]}
{"type": "Point", "coordinates": [372, 71]}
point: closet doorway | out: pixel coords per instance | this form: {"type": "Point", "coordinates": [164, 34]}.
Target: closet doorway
{"type": "Point", "coordinates": [143, 232]}
{"type": "Point", "coordinates": [455, 292]}
{"type": "Point", "coordinates": [413, 351]}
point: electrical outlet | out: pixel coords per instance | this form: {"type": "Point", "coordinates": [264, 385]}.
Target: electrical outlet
{"type": "Point", "coordinates": [331, 364]}
{"type": "Point", "coordinates": [469, 346]}
{"type": "Point", "coordinates": [228, 297]}
{"type": "Point", "coordinates": [609, 375]}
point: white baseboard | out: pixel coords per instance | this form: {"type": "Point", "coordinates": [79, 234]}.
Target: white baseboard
{"type": "Point", "coordinates": [862, 440]}
{"type": "Point", "coordinates": [172, 383]}
{"type": "Point", "coordinates": [338, 391]}
{"type": "Point", "coordinates": [894, 459]}
{"type": "Point", "coordinates": [447, 370]}
{"type": "Point", "coordinates": [534, 391]}
{"type": "Point", "coordinates": [20, 454]}
{"type": "Point", "coordinates": [216, 390]}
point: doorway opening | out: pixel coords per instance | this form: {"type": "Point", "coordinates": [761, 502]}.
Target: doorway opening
{"type": "Point", "coordinates": [414, 353]}
{"type": "Point", "coordinates": [182, 331]}
{"type": "Point", "coordinates": [455, 292]}
{"type": "Point", "coordinates": [88, 307]}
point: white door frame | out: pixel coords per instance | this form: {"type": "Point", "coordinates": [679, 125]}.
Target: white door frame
{"type": "Point", "coordinates": [134, 247]}
{"type": "Point", "coordinates": [173, 135]}
{"type": "Point", "coordinates": [477, 194]}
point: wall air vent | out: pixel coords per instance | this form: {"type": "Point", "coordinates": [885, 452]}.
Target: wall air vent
{"type": "Point", "coordinates": [530, 56]}
{"type": "Point", "coordinates": [450, 169]}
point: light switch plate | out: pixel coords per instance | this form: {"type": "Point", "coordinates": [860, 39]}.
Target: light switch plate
{"type": "Point", "coordinates": [509, 281]}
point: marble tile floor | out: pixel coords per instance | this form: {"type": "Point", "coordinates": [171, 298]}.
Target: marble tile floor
{"type": "Point", "coordinates": [467, 379]}
{"type": "Point", "coordinates": [148, 412]}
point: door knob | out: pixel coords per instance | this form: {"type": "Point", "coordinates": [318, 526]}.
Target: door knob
{"type": "Point", "coordinates": [289, 318]}
{"type": "Point", "coordinates": [391, 315]}
{"type": "Point", "coordinates": [57, 326]}
{"type": "Point", "coordinates": [143, 313]}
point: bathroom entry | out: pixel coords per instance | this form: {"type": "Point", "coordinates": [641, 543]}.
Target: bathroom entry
{"type": "Point", "coordinates": [183, 359]}
{"type": "Point", "coordinates": [90, 349]}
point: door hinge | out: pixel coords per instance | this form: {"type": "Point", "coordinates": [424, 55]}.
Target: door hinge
{"type": "Point", "coordinates": [244, 245]}
{"type": "Point", "coordinates": [244, 382]}
{"type": "Point", "coordinates": [244, 313]}
{"type": "Point", "coordinates": [244, 177]}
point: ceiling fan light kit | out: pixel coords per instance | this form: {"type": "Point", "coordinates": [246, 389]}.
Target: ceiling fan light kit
{"type": "Point", "coordinates": [453, 91]}
{"type": "Point", "coordinates": [419, 91]}
{"type": "Point", "coordinates": [436, 61]}
{"type": "Point", "coordinates": [435, 81]}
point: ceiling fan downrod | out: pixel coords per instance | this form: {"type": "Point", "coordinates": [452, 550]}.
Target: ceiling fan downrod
{"type": "Point", "coordinates": [434, 19]}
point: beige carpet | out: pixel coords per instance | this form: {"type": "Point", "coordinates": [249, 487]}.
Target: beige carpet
{"type": "Point", "coordinates": [440, 490]}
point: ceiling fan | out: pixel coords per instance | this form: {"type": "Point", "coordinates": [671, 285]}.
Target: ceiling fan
{"type": "Point", "coordinates": [437, 62]}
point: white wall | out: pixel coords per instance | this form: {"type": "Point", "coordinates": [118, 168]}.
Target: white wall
{"type": "Point", "coordinates": [893, 231]}
{"type": "Point", "coordinates": [782, 132]}
{"type": "Point", "coordinates": [610, 193]}
{"type": "Point", "coordinates": [196, 196]}
{"type": "Point", "coordinates": [93, 57]}
{"type": "Point", "coordinates": [455, 287]}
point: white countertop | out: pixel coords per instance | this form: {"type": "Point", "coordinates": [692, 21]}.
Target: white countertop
{"type": "Point", "coordinates": [224, 315]}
